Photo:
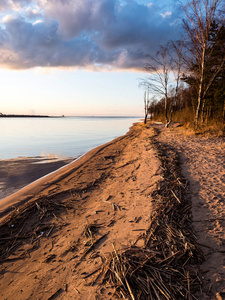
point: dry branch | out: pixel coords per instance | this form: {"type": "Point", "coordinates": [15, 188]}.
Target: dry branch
{"type": "Point", "coordinates": [165, 267]}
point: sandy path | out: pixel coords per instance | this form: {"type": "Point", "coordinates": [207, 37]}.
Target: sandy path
{"type": "Point", "coordinates": [203, 165]}
{"type": "Point", "coordinates": [109, 193]}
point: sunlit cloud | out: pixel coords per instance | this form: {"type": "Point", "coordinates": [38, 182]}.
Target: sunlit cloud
{"type": "Point", "coordinates": [167, 14]}
{"type": "Point", "coordinates": [87, 34]}
{"type": "Point", "coordinates": [7, 18]}
{"type": "Point", "coordinates": [33, 13]}
{"type": "Point", "coordinates": [37, 22]}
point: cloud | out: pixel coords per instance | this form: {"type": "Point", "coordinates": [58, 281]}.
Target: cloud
{"type": "Point", "coordinates": [13, 4]}
{"type": "Point", "coordinates": [7, 18]}
{"type": "Point", "coordinates": [90, 33]}
{"type": "Point", "coordinates": [77, 16]}
{"type": "Point", "coordinates": [39, 44]}
{"type": "Point", "coordinates": [3, 4]}
{"type": "Point", "coordinates": [33, 13]}
{"type": "Point", "coordinates": [167, 14]}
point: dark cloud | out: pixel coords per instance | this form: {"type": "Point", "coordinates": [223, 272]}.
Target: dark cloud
{"type": "Point", "coordinates": [42, 45]}
{"type": "Point", "coordinates": [77, 16]}
{"type": "Point", "coordinates": [84, 33]}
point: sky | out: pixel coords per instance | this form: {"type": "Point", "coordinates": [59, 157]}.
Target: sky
{"type": "Point", "coordinates": [79, 57]}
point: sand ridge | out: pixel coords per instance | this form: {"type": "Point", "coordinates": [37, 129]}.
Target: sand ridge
{"type": "Point", "coordinates": [110, 193]}
{"type": "Point", "coordinates": [203, 165]}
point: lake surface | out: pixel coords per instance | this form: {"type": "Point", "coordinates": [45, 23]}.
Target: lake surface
{"type": "Point", "coordinates": [58, 137]}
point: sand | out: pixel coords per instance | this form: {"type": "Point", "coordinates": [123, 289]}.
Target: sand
{"type": "Point", "coordinates": [109, 189]}
{"type": "Point", "coordinates": [203, 165]}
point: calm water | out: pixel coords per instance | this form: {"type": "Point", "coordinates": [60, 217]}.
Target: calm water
{"type": "Point", "coordinates": [58, 137]}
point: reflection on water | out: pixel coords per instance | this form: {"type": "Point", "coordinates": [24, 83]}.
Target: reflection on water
{"type": "Point", "coordinates": [58, 137]}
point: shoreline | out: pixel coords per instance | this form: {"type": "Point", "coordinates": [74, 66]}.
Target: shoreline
{"type": "Point", "coordinates": [24, 116]}
{"type": "Point", "coordinates": [69, 226]}
{"type": "Point", "coordinates": [107, 188]}
{"type": "Point", "coordinates": [10, 185]}
{"type": "Point", "coordinates": [10, 202]}
{"type": "Point", "coordinates": [17, 173]}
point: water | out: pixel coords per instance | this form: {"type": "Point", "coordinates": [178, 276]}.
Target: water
{"type": "Point", "coordinates": [58, 137]}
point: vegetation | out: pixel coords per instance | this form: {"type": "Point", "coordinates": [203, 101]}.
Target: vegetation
{"type": "Point", "coordinates": [189, 75]}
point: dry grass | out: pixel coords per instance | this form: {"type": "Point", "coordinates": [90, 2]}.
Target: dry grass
{"type": "Point", "coordinates": [214, 127]}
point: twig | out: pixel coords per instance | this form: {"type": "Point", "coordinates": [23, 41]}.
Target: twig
{"type": "Point", "coordinates": [76, 290]}
{"type": "Point", "coordinates": [175, 196]}
{"type": "Point", "coordinates": [50, 230]}
{"type": "Point", "coordinates": [59, 291]}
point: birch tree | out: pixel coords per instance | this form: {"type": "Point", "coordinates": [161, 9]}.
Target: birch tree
{"type": "Point", "coordinates": [200, 15]}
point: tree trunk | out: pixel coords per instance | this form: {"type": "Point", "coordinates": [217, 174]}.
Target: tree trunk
{"type": "Point", "coordinates": [200, 88]}
{"type": "Point", "coordinates": [224, 112]}
{"type": "Point", "coordinates": [203, 109]}
{"type": "Point", "coordinates": [193, 105]}
{"type": "Point", "coordinates": [166, 101]}
{"type": "Point", "coordinates": [166, 111]}
{"type": "Point", "coordinates": [146, 108]}
{"type": "Point", "coordinates": [171, 115]}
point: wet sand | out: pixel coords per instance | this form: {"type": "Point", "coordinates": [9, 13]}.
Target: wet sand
{"type": "Point", "coordinates": [17, 173]}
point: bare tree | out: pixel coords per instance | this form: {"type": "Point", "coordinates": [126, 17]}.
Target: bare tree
{"type": "Point", "coordinates": [176, 66]}
{"type": "Point", "coordinates": [200, 15]}
{"type": "Point", "coordinates": [157, 81]}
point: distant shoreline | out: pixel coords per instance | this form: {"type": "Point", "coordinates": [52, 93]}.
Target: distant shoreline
{"type": "Point", "coordinates": [62, 116]}
{"type": "Point", "coordinates": [29, 116]}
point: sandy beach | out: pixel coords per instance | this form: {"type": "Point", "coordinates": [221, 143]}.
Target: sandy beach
{"type": "Point", "coordinates": [58, 233]}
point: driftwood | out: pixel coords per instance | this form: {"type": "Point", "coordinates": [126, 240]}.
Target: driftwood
{"type": "Point", "coordinates": [165, 268]}
{"type": "Point", "coordinates": [19, 226]}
